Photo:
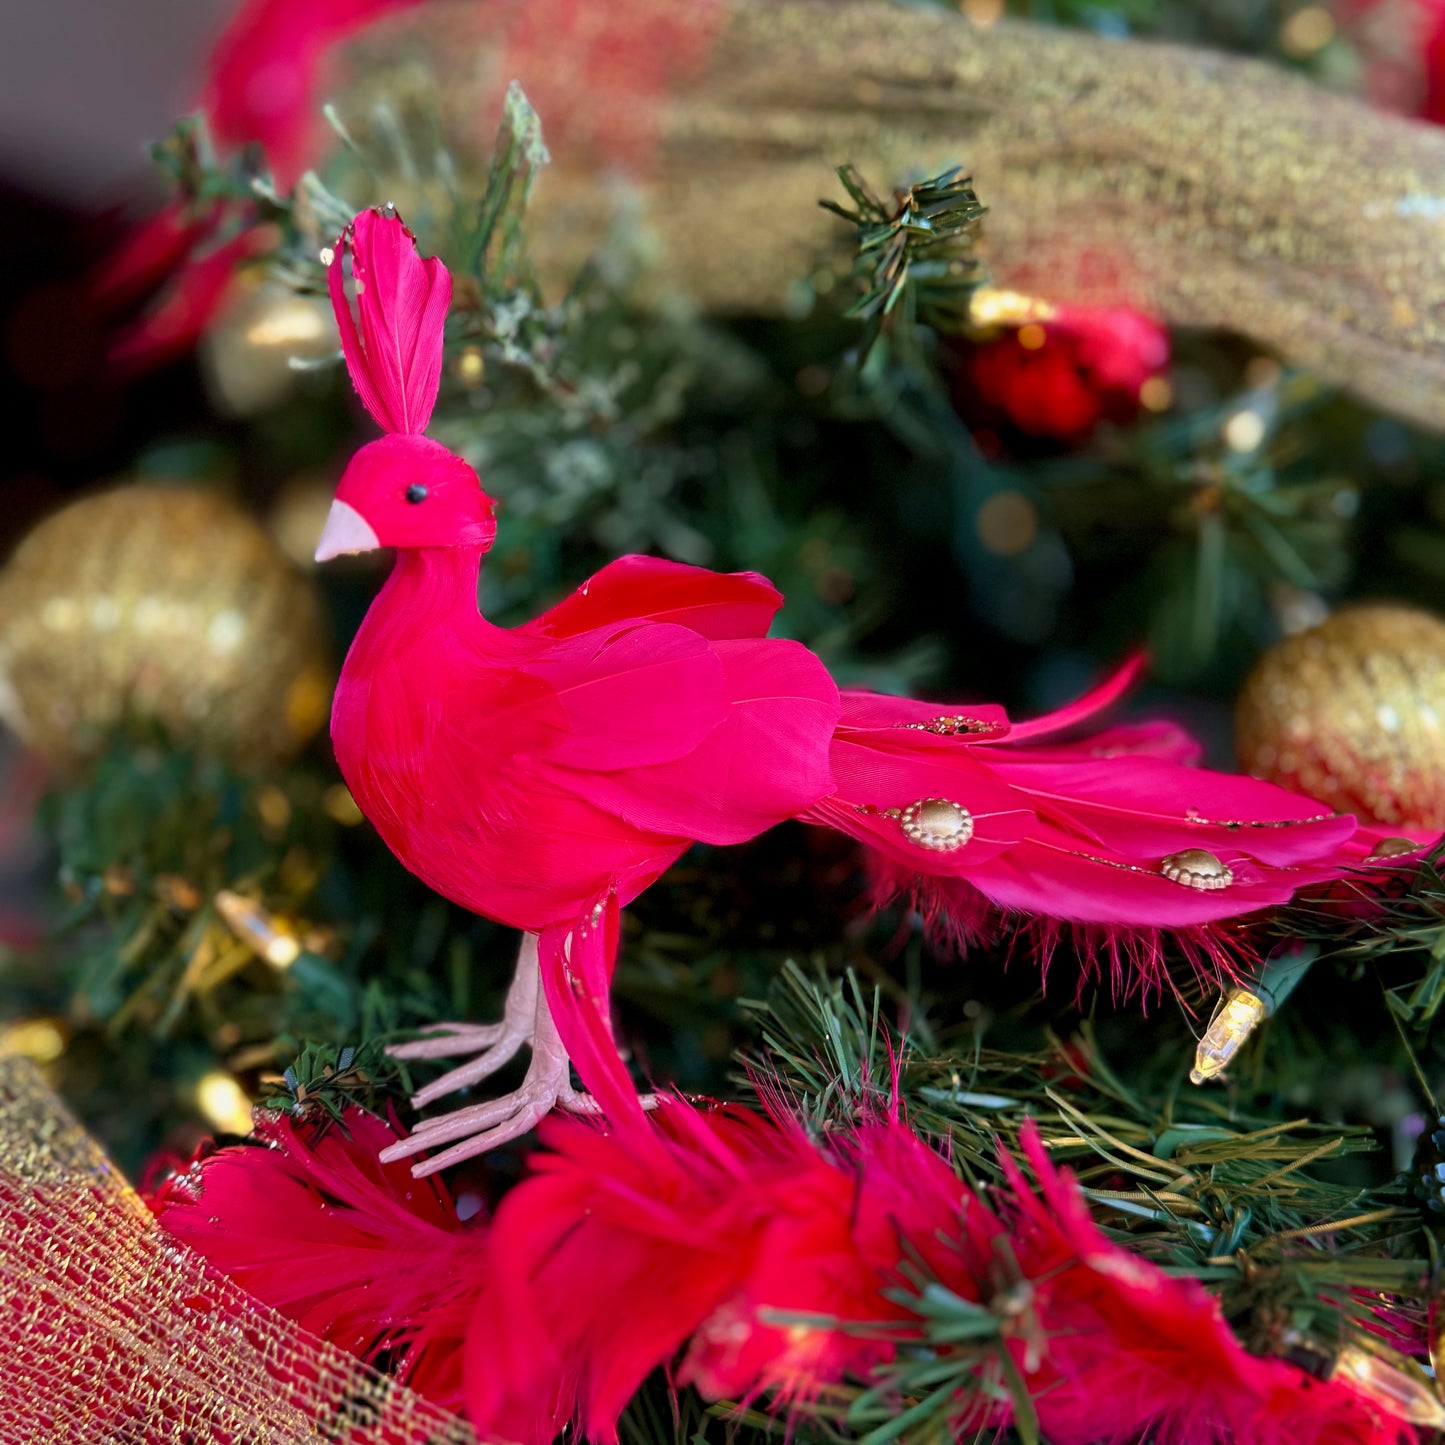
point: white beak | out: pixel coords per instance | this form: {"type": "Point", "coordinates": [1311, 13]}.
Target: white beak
{"type": "Point", "coordinates": [346, 530]}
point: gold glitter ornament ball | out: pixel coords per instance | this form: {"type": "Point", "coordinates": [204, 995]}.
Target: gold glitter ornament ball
{"type": "Point", "coordinates": [160, 604]}
{"type": "Point", "coordinates": [1352, 712]}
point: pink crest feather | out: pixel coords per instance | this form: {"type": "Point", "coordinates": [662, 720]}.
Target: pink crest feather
{"type": "Point", "coordinates": [393, 345]}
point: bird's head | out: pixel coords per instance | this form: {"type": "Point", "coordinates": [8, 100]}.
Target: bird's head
{"type": "Point", "coordinates": [403, 491]}
{"type": "Point", "coordinates": [407, 491]}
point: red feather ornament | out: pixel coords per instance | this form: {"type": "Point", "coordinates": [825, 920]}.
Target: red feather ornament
{"type": "Point", "coordinates": [542, 776]}
{"type": "Point", "coordinates": [545, 775]}
{"type": "Point", "coordinates": [308, 1220]}
{"type": "Point", "coordinates": [754, 1253]}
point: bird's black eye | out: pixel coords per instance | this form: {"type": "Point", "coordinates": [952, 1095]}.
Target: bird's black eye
{"type": "Point", "coordinates": [416, 493]}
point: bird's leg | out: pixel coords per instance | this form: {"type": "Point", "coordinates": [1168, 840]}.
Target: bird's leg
{"type": "Point", "coordinates": [494, 1044]}
{"type": "Point", "coordinates": [480, 1127]}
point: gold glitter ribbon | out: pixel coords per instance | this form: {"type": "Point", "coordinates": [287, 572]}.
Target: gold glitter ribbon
{"type": "Point", "coordinates": [114, 1335]}
{"type": "Point", "coordinates": [1212, 190]}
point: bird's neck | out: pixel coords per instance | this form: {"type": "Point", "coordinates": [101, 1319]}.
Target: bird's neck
{"type": "Point", "coordinates": [433, 586]}
{"type": "Point", "coordinates": [431, 593]}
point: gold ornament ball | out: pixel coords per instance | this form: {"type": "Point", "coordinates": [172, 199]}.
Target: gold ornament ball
{"type": "Point", "coordinates": [246, 354]}
{"type": "Point", "coordinates": [1352, 712]}
{"type": "Point", "coordinates": [165, 605]}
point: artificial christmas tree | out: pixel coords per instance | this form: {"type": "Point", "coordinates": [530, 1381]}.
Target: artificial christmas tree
{"type": "Point", "coordinates": [1090, 1098]}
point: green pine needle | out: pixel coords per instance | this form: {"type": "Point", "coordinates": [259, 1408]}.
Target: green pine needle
{"type": "Point", "coordinates": [325, 1079]}
{"type": "Point", "coordinates": [496, 245]}
{"type": "Point", "coordinates": [915, 261]}
{"type": "Point", "coordinates": [1253, 1208]}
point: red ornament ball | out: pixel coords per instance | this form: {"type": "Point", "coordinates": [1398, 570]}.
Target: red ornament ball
{"type": "Point", "coordinates": [1060, 374]}
{"type": "Point", "coordinates": [1352, 712]}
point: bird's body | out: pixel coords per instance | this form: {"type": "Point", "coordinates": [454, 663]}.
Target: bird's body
{"type": "Point", "coordinates": [541, 775]}
{"type": "Point", "coordinates": [524, 773]}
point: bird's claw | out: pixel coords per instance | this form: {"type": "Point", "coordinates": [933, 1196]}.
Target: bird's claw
{"type": "Point", "coordinates": [493, 1057]}
{"type": "Point", "coordinates": [495, 1045]}
{"type": "Point", "coordinates": [476, 1128]}
{"type": "Point", "coordinates": [444, 1041]}
{"type": "Point", "coordinates": [480, 1127]}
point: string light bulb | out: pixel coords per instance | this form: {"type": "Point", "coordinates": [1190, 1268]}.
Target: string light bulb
{"type": "Point", "coordinates": [1404, 1396]}
{"type": "Point", "coordinates": [991, 306]}
{"type": "Point", "coordinates": [39, 1039]}
{"type": "Point", "coordinates": [1237, 1016]}
{"type": "Point", "coordinates": [254, 926]}
{"type": "Point", "coordinates": [1243, 1009]}
{"type": "Point", "coordinates": [224, 1103]}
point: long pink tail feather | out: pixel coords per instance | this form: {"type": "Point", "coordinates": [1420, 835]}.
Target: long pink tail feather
{"type": "Point", "coordinates": [576, 961]}
{"type": "Point", "coordinates": [1109, 839]}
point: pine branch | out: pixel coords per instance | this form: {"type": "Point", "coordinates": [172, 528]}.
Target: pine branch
{"type": "Point", "coordinates": [1223, 507]}
{"type": "Point", "coordinates": [325, 1079]}
{"type": "Point", "coordinates": [152, 846]}
{"type": "Point", "coordinates": [915, 261]}
{"type": "Point", "coordinates": [190, 163]}
{"type": "Point", "coordinates": [495, 249]}
{"type": "Point", "coordinates": [659, 1414]}
{"type": "Point", "coordinates": [1243, 1204]}
{"type": "Point", "coordinates": [1396, 924]}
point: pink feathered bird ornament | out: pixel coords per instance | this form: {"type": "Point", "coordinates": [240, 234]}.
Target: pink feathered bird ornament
{"type": "Point", "coordinates": [542, 776]}
{"type": "Point", "coordinates": [545, 775]}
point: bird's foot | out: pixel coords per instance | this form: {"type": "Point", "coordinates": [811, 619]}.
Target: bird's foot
{"type": "Point", "coordinates": [476, 1128]}
{"type": "Point", "coordinates": [480, 1127]}
{"type": "Point", "coordinates": [495, 1045]}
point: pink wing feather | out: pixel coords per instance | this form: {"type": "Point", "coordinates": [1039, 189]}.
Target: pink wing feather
{"type": "Point", "coordinates": [716, 605]}
{"type": "Point", "coordinates": [649, 693]}
{"type": "Point", "coordinates": [762, 762]}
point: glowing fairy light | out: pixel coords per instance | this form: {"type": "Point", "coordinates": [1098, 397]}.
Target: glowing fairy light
{"type": "Point", "coordinates": [1233, 1022]}
{"type": "Point", "coordinates": [39, 1039]}
{"type": "Point", "coordinates": [993, 306]}
{"type": "Point", "coordinates": [471, 367]}
{"type": "Point", "coordinates": [1007, 523]}
{"type": "Point", "coordinates": [1155, 394]}
{"type": "Point", "coordinates": [340, 806]}
{"type": "Point", "coordinates": [1307, 31]}
{"type": "Point", "coordinates": [984, 13]}
{"type": "Point", "coordinates": [253, 925]}
{"type": "Point", "coordinates": [1404, 1396]}
{"type": "Point", "coordinates": [289, 323]}
{"type": "Point", "coordinates": [1241, 1011]}
{"type": "Point", "coordinates": [1244, 431]}
{"type": "Point", "coordinates": [224, 1103]}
